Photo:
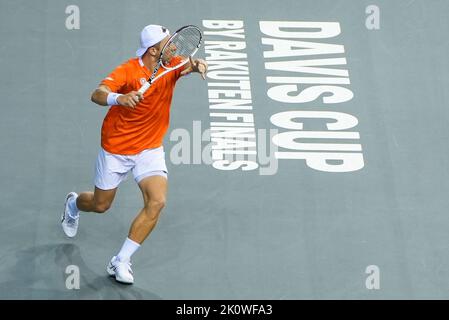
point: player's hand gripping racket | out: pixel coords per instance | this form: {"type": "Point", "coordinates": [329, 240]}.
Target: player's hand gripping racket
{"type": "Point", "coordinates": [183, 44]}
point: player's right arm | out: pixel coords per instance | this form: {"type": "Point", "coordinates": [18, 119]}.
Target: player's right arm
{"type": "Point", "coordinates": [109, 92]}
{"type": "Point", "coordinates": [100, 95]}
{"type": "Point", "coordinates": [104, 96]}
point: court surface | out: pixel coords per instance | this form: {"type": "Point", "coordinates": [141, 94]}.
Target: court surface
{"type": "Point", "coordinates": [289, 231]}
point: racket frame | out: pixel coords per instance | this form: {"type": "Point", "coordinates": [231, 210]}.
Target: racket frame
{"type": "Point", "coordinates": [153, 76]}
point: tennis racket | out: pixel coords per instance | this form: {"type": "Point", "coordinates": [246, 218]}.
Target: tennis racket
{"type": "Point", "coordinates": [183, 44]}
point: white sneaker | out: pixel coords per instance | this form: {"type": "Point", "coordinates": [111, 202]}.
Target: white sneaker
{"type": "Point", "coordinates": [121, 270]}
{"type": "Point", "coordinates": [69, 225]}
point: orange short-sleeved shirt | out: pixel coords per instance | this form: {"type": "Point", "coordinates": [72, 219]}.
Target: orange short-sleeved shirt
{"type": "Point", "coordinates": [129, 131]}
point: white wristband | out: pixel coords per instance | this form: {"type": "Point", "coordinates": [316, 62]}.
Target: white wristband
{"type": "Point", "coordinates": [112, 98]}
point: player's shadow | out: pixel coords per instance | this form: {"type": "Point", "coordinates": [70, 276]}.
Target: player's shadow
{"type": "Point", "coordinates": [40, 273]}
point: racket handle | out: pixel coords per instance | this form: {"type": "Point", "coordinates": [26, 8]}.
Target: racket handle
{"type": "Point", "coordinates": [144, 87]}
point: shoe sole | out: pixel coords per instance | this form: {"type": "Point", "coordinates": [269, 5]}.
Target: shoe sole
{"type": "Point", "coordinates": [63, 217]}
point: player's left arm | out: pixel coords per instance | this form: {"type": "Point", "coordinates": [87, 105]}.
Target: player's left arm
{"type": "Point", "coordinates": [195, 65]}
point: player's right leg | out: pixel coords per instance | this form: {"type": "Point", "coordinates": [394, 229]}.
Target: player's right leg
{"type": "Point", "coordinates": [110, 170]}
{"type": "Point", "coordinates": [98, 201]}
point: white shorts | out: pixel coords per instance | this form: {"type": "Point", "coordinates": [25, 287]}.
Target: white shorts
{"type": "Point", "coordinates": [111, 169]}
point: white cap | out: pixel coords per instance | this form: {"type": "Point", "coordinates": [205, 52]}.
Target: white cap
{"type": "Point", "coordinates": [149, 36]}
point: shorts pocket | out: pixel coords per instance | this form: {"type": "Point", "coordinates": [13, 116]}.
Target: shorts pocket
{"type": "Point", "coordinates": [117, 163]}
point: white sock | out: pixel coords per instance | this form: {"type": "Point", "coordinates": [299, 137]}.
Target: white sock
{"type": "Point", "coordinates": [73, 208]}
{"type": "Point", "coordinates": [127, 250]}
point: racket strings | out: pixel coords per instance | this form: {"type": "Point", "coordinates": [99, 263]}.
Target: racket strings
{"type": "Point", "coordinates": [181, 46]}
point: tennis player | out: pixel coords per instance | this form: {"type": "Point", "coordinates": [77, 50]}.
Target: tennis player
{"type": "Point", "coordinates": [131, 140]}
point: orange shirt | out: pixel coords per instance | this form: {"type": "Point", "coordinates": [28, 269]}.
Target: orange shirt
{"type": "Point", "coordinates": [129, 131]}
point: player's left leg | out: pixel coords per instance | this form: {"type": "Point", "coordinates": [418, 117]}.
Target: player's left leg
{"type": "Point", "coordinates": [154, 190]}
{"type": "Point", "coordinates": [150, 173]}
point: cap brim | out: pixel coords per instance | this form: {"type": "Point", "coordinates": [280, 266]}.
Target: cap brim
{"type": "Point", "coordinates": [141, 51]}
